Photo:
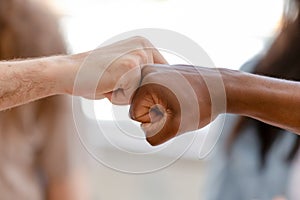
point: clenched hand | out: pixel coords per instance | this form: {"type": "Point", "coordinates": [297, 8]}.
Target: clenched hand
{"type": "Point", "coordinates": [172, 100]}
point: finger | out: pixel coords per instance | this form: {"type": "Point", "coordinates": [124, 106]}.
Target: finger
{"type": "Point", "coordinates": [159, 121]}
{"type": "Point", "coordinates": [156, 68]}
{"type": "Point", "coordinates": [108, 95]}
{"type": "Point", "coordinates": [148, 69]}
{"type": "Point", "coordinates": [143, 109]}
{"type": "Point", "coordinates": [99, 96]}
{"type": "Point", "coordinates": [161, 131]}
{"type": "Point", "coordinates": [150, 115]}
{"type": "Point", "coordinates": [126, 86]}
{"type": "Point", "coordinates": [149, 58]}
{"type": "Point", "coordinates": [140, 105]}
{"type": "Point", "coordinates": [156, 113]}
{"type": "Point", "coordinates": [158, 58]}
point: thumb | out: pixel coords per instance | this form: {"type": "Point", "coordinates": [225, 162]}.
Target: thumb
{"type": "Point", "coordinates": [159, 121]}
{"type": "Point", "coordinates": [108, 95]}
{"type": "Point", "coordinates": [125, 87]}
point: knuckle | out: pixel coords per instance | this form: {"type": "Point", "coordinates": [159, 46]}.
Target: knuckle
{"type": "Point", "coordinates": [147, 67]}
{"type": "Point", "coordinates": [142, 55]}
{"type": "Point", "coordinates": [129, 63]}
{"type": "Point", "coordinates": [150, 79]}
{"type": "Point", "coordinates": [132, 112]}
{"type": "Point", "coordinates": [142, 40]}
{"type": "Point", "coordinates": [139, 38]}
{"type": "Point", "coordinates": [154, 140]}
{"type": "Point", "coordinates": [134, 106]}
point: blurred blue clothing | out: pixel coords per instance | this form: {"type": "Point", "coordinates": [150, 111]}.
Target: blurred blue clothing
{"type": "Point", "coordinates": [238, 175]}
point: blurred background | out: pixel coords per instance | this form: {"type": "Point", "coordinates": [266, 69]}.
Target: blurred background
{"type": "Point", "coordinates": [231, 32]}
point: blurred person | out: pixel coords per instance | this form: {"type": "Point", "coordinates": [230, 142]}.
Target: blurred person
{"type": "Point", "coordinates": [254, 160]}
{"type": "Point", "coordinates": [122, 65]}
{"type": "Point", "coordinates": [40, 157]}
{"type": "Point", "coordinates": [167, 109]}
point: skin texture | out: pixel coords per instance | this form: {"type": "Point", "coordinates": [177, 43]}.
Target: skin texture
{"type": "Point", "coordinates": [28, 80]}
{"type": "Point", "coordinates": [167, 102]}
{"type": "Point", "coordinates": [267, 99]}
{"type": "Point", "coordinates": [281, 61]}
{"type": "Point", "coordinates": [119, 64]}
{"type": "Point", "coordinates": [38, 135]}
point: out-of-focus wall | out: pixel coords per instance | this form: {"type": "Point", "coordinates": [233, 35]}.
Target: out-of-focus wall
{"type": "Point", "coordinates": [182, 180]}
{"type": "Point", "coordinates": [229, 40]}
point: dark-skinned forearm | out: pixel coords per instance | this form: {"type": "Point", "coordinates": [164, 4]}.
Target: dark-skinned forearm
{"type": "Point", "coordinates": [270, 100]}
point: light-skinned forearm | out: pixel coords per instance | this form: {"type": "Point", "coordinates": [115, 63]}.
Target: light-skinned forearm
{"type": "Point", "coordinates": [27, 80]}
{"type": "Point", "coordinates": [270, 100]}
{"type": "Point", "coordinates": [113, 71]}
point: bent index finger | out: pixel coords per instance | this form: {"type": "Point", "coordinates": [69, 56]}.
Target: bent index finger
{"type": "Point", "coordinates": [153, 105]}
{"type": "Point", "coordinates": [140, 105]}
{"type": "Point", "coordinates": [158, 58]}
{"type": "Point", "coordinates": [165, 119]}
{"type": "Point", "coordinates": [161, 131]}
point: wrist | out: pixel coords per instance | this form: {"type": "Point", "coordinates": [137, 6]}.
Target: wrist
{"type": "Point", "coordinates": [246, 93]}
{"type": "Point", "coordinates": [237, 92]}
{"type": "Point", "coordinates": [64, 70]}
